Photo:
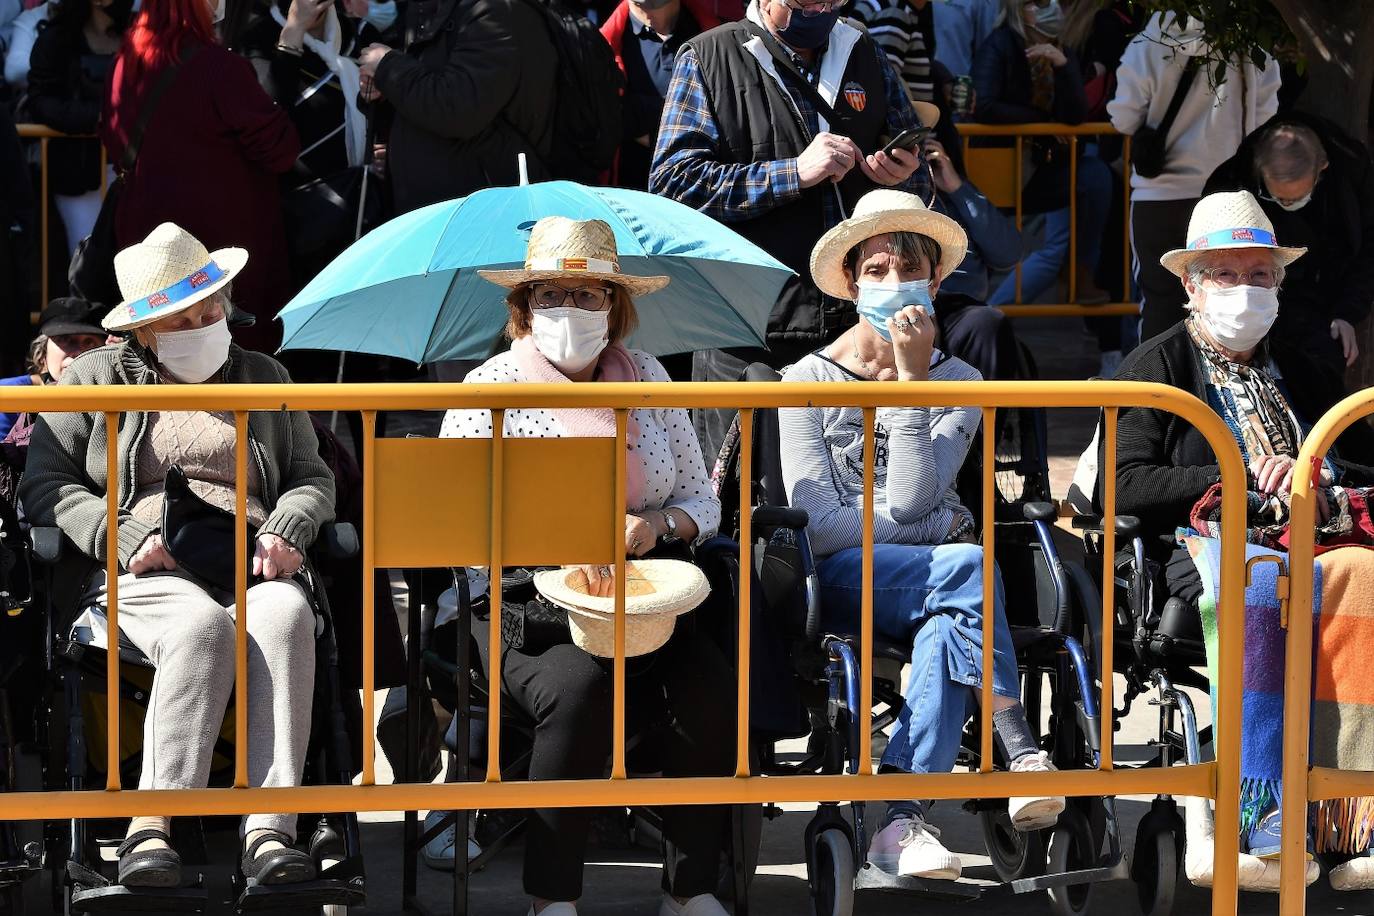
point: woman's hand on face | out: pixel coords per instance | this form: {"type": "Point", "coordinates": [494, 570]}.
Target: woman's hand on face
{"type": "Point", "coordinates": [151, 556]}
{"type": "Point", "coordinates": [640, 535]}
{"type": "Point", "coordinates": [913, 339]}
{"type": "Point", "coordinates": [1048, 52]}
{"type": "Point", "coordinates": [274, 558]}
{"type": "Point", "coordinates": [600, 580]}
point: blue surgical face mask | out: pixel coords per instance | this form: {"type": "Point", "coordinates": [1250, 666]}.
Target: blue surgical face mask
{"type": "Point", "coordinates": [878, 302]}
{"type": "Point", "coordinates": [381, 13]}
{"type": "Point", "coordinates": [808, 33]}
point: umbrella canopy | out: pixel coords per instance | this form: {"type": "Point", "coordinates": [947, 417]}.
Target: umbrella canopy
{"type": "Point", "coordinates": [410, 288]}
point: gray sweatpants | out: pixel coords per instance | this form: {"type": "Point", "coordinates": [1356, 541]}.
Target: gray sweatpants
{"type": "Point", "coordinates": [189, 635]}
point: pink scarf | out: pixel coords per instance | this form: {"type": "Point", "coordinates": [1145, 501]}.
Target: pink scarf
{"type": "Point", "coordinates": [613, 365]}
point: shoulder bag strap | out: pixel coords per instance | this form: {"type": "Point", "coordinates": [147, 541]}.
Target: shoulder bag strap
{"type": "Point", "coordinates": [795, 76]}
{"type": "Point", "coordinates": [1180, 93]}
{"type": "Point", "coordinates": [164, 82]}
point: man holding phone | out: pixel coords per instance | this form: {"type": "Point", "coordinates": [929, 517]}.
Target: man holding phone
{"type": "Point", "coordinates": [777, 125]}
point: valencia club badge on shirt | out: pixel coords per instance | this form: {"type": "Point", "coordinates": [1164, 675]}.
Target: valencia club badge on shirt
{"type": "Point", "coordinates": [855, 95]}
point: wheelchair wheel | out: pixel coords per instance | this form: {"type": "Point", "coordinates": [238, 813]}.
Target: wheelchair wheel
{"type": "Point", "coordinates": [1156, 867]}
{"type": "Point", "coordinates": [1014, 854]}
{"type": "Point", "coordinates": [334, 909]}
{"type": "Point", "coordinates": [1072, 848]}
{"type": "Point", "coordinates": [832, 874]}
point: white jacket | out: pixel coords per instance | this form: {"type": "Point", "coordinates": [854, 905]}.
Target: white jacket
{"type": "Point", "coordinates": [1212, 121]}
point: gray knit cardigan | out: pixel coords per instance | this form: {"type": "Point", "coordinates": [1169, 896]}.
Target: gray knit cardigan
{"type": "Point", "coordinates": [64, 480]}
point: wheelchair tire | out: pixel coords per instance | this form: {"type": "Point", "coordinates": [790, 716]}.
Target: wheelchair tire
{"type": "Point", "coordinates": [1156, 863]}
{"type": "Point", "coordinates": [334, 909]}
{"type": "Point", "coordinates": [832, 874]}
{"type": "Point", "coordinates": [1014, 854]}
{"type": "Point", "coordinates": [1071, 848]}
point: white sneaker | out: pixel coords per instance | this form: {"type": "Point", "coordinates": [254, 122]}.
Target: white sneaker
{"type": "Point", "coordinates": [438, 852]}
{"type": "Point", "coordinates": [556, 909]}
{"type": "Point", "coordinates": [910, 848]}
{"type": "Point", "coordinates": [700, 905]}
{"type": "Point", "coordinates": [1034, 813]}
{"type": "Point", "coordinates": [1355, 875]}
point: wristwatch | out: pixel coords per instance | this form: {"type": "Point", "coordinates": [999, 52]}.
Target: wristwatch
{"type": "Point", "coordinates": [671, 536]}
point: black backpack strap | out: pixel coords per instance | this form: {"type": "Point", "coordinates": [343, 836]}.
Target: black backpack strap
{"type": "Point", "coordinates": [794, 75]}
{"type": "Point", "coordinates": [1180, 93]}
{"type": "Point", "coordinates": [164, 82]}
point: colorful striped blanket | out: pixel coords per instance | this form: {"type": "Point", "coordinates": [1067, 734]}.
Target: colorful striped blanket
{"type": "Point", "coordinates": [1343, 701]}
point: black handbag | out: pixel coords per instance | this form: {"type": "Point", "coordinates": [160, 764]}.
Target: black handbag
{"type": "Point", "coordinates": [321, 213]}
{"type": "Point", "coordinates": [528, 622]}
{"type": "Point", "coordinates": [91, 274]}
{"type": "Point", "coordinates": [1150, 145]}
{"type": "Point", "coordinates": [199, 536]}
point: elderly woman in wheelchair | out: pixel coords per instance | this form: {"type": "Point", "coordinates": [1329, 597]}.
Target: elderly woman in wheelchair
{"type": "Point", "coordinates": [1167, 476]}
{"type": "Point", "coordinates": [570, 310]}
{"type": "Point", "coordinates": [889, 258]}
{"type": "Point", "coordinates": [175, 596]}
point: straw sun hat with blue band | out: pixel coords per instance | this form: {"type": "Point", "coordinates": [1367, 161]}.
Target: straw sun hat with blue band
{"type": "Point", "coordinates": [1229, 220]}
{"type": "Point", "coordinates": [166, 273]}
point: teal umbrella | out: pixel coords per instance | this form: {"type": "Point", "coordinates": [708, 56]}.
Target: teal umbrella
{"type": "Point", "coordinates": [410, 288]}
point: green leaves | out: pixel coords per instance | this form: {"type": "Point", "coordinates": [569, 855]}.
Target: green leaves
{"type": "Point", "coordinates": [1247, 29]}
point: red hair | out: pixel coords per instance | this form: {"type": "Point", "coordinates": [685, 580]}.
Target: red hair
{"type": "Point", "coordinates": [157, 35]}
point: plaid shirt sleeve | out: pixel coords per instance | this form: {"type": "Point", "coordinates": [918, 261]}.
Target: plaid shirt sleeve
{"type": "Point", "coordinates": [687, 159]}
{"type": "Point", "coordinates": [901, 114]}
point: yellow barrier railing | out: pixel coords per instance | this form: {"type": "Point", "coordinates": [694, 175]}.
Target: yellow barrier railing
{"type": "Point", "coordinates": [1302, 785]}
{"type": "Point", "coordinates": [1002, 181]}
{"type": "Point", "coordinates": [419, 499]}
{"type": "Point", "coordinates": [43, 135]}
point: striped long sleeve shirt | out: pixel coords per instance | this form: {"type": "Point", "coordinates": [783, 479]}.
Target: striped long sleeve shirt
{"type": "Point", "coordinates": [897, 28]}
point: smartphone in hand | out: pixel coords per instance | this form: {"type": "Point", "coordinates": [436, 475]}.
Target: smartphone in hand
{"type": "Point", "coordinates": [909, 139]}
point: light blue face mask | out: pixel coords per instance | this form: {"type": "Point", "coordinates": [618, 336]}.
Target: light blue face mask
{"type": "Point", "coordinates": [878, 302]}
{"type": "Point", "coordinates": [381, 13]}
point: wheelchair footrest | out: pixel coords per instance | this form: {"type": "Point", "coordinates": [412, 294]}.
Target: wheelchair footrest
{"type": "Point", "coordinates": [115, 898]}
{"type": "Point", "coordinates": [872, 878]}
{"type": "Point", "coordinates": [299, 896]}
{"type": "Point", "coordinates": [1117, 872]}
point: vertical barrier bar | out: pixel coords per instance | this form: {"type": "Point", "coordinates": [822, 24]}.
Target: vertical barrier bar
{"type": "Point", "coordinates": [369, 417]}
{"type": "Point", "coordinates": [865, 711]}
{"type": "Point", "coordinates": [1126, 272]}
{"type": "Point", "coordinates": [241, 560]}
{"type": "Point", "coordinates": [618, 557]}
{"type": "Point", "coordinates": [494, 649]}
{"type": "Point", "coordinates": [1017, 165]}
{"type": "Point", "coordinates": [1073, 219]}
{"type": "Point", "coordinates": [1108, 574]}
{"type": "Point", "coordinates": [43, 221]}
{"type": "Point", "coordinates": [989, 585]}
{"type": "Point", "coordinates": [112, 600]}
{"type": "Point", "coordinates": [104, 172]}
{"type": "Point", "coordinates": [746, 568]}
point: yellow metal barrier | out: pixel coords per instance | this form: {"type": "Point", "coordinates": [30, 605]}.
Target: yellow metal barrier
{"type": "Point", "coordinates": [423, 504]}
{"type": "Point", "coordinates": [1318, 783]}
{"type": "Point", "coordinates": [43, 134]}
{"type": "Point", "coordinates": [998, 173]}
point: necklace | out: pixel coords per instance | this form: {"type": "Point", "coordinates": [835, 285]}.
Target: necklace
{"type": "Point", "coordinates": [869, 372]}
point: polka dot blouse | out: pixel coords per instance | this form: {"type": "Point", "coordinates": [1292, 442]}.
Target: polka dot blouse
{"type": "Point", "coordinates": [674, 472]}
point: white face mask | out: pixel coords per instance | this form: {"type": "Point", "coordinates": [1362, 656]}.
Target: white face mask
{"type": "Point", "coordinates": [1239, 317]}
{"type": "Point", "coordinates": [193, 356]}
{"type": "Point", "coordinates": [569, 337]}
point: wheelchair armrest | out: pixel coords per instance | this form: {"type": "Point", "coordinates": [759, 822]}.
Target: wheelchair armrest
{"type": "Point", "coordinates": [46, 544]}
{"type": "Point", "coordinates": [780, 517]}
{"type": "Point", "coordinates": [1087, 522]}
{"type": "Point", "coordinates": [1127, 527]}
{"type": "Point", "coordinates": [339, 540]}
{"type": "Point", "coordinates": [1040, 512]}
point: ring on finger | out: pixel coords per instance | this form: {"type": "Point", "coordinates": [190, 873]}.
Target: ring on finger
{"type": "Point", "coordinates": [605, 572]}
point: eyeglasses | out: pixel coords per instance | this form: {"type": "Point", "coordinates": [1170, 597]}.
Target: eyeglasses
{"type": "Point", "coordinates": [1226, 278]}
{"type": "Point", "coordinates": [551, 295]}
{"type": "Point", "coordinates": [815, 9]}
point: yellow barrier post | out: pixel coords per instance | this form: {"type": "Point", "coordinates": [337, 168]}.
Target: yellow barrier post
{"type": "Point", "coordinates": [865, 711]}
{"type": "Point", "coordinates": [1108, 574]}
{"type": "Point", "coordinates": [746, 567]}
{"type": "Point", "coordinates": [112, 600]}
{"type": "Point", "coordinates": [241, 561]}
{"type": "Point", "coordinates": [617, 545]}
{"type": "Point", "coordinates": [494, 647]}
{"type": "Point", "coordinates": [369, 586]}
{"type": "Point", "coordinates": [989, 587]}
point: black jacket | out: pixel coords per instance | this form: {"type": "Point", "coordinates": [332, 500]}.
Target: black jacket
{"type": "Point", "coordinates": [1164, 465]}
{"type": "Point", "coordinates": [1002, 79]}
{"type": "Point", "coordinates": [1335, 279]}
{"type": "Point", "coordinates": [473, 89]}
{"type": "Point", "coordinates": [66, 91]}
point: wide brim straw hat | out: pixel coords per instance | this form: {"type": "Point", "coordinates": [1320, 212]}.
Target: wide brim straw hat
{"type": "Point", "coordinates": [1229, 220]}
{"type": "Point", "coordinates": [878, 213]}
{"type": "Point", "coordinates": [560, 247]}
{"type": "Point", "coordinates": [166, 273]}
{"type": "Point", "coordinates": [927, 112]}
{"type": "Point", "coordinates": [656, 593]}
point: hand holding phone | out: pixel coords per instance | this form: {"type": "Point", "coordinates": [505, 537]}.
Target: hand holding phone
{"type": "Point", "coordinates": [909, 140]}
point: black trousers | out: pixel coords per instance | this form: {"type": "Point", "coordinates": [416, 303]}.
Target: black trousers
{"type": "Point", "coordinates": [976, 333]}
{"type": "Point", "coordinates": [728, 366]}
{"type": "Point", "coordinates": [1158, 226]}
{"type": "Point", "coordinates": [688, 685]}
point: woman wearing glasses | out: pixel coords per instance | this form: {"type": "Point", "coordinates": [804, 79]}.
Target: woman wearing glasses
{"type": "Point", "coordinates": [570, 309]}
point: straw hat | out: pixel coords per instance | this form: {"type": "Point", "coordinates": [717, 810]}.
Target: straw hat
{"type": "Point", "coordinates": [877, 213]}
{"type": "Point", "coordinates": [1225, 221]}
{"type": "Point", "coordinates": [656, 593]}
{"type": "Point", "coordinates": [562, 247]}
{"type": "Point", "coordinates": [928, 113]}
{"type": "Point", "coordinates": [166, 273]}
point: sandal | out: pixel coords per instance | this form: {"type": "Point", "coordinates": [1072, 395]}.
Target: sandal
{"type": "Point", "coordinates": [148, 867]}
{"type": "Point", "coordinates": [277, 866]}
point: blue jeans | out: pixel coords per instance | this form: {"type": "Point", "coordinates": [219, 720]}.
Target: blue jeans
{"type": "Point", "coordinates": [1050, 185]}
{"type": "Point", "coordinates": [932, 598]}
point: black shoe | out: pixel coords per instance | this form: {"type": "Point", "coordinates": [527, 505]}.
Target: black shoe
{"type": "Point", "coordinates": [278, 866]}
{"type": "Point", "coordinates": [148, 867]}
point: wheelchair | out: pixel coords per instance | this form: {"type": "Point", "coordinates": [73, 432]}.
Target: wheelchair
{"type": "Point", "coordinates": [446, 627]}
{"type": "Point", "coordinates": [1052, 637]}
{"type": "Point", "coordinates": [77, 653]}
